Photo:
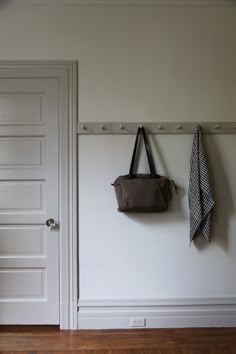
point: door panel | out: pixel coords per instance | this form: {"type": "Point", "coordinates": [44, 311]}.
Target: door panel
{"type": "Point", "coordinates": [34, 281]}
{"type": "Point", "coordinates": [22, 152]}
{"type": "Point", "coordinates": [22, 241]}
{"type": "Point", "coordinates": [29, 165]}
{"type": "Point", "coordinates": [21, 196]}
{"type": "Point", "coordinates": [21, 108]}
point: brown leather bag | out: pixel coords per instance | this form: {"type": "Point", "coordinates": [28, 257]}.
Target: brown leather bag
{"type": "Point", "coordinates": [142, 193]}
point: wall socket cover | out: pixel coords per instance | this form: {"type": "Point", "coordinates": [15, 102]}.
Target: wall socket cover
{"type": "Point", "coordinates": [138, 322]}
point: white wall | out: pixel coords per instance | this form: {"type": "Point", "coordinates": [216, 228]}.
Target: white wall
{"type": "Point", "coordinates": [143, 63]}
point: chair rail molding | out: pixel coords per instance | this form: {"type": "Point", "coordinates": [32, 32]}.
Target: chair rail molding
{"type": "Point", "coordinates": [157, 313]}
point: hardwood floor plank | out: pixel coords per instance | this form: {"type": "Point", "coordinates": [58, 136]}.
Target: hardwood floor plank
{"type": "Point", "coordinates": [45, 340]}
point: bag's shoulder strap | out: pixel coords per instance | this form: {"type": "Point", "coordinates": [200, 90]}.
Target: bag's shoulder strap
{"type": "Point", "coordinates": [131, 169]}
{"type": "Point", "coordinates": [149, 152]}
{"type": "Point", "coordinates": [140, 131]}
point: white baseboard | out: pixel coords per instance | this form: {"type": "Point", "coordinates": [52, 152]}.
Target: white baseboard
{"type": "Point", "coordinates": [172, 313]}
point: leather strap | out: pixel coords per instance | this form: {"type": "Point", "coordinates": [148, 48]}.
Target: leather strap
{"type": "Point", "coordinates": [140, 131]}
{"type": "Point", "coordinates": [131, 169]}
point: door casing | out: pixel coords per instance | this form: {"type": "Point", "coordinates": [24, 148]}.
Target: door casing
{"type": "Point", "coordinates": [66, 73]}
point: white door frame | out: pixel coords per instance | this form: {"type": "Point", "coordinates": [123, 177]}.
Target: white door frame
{"type": "Point", "coordinates": [66, 74]}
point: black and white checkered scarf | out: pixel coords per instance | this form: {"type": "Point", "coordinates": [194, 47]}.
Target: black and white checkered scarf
{"type": "Point", "coordinates": [200, 196]}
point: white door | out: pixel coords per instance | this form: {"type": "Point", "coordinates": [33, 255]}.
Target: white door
{"type": "Point", "coordinates": [29, 162]}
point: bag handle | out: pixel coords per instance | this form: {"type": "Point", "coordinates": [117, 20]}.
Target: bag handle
{"type": "Point", "coordinates": [140, 131]}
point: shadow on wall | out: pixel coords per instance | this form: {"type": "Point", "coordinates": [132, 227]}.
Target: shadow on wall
{"type": "Point", "coordinates": [224, 205]}
{"type": "Point", "coordinates": [6, 3]}
{"type": "Point", "coordinates": [176, 206]}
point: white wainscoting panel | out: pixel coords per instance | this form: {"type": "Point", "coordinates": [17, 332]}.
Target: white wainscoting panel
{"type": "Point", "coordinates": [172, 313]}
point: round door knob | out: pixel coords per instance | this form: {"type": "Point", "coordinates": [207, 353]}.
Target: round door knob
{"type": "Point", "coordinates": [51, 224]}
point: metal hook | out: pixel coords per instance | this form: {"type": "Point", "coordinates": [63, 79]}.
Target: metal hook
{"type": "Point", "coordinates": [217, 126]}
{"type": "Point", "coordinates": [179, 126]}
{"type": "Point", "coordinates": [159, 126]}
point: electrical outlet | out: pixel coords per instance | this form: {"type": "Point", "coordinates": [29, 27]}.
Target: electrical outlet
{"type": "Point", "coordinates": [138, 322]}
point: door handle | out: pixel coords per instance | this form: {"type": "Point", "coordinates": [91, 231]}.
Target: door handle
{"type": "Point", "coordinates": [51, 224]}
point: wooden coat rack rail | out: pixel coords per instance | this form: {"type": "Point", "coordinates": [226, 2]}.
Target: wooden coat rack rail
{"type": "Point", "coordinates": [87, 128]}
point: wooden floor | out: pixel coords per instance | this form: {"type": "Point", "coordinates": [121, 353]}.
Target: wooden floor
{"type": "Point", "coordinates": [146, 341]}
